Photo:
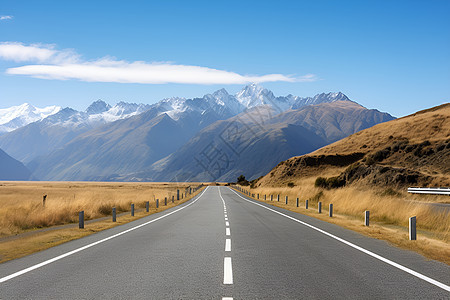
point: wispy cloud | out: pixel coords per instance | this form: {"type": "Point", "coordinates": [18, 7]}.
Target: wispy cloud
{"type": "Point", "coordinates": [5, 18]}
{"type": "Point", "coordinates": [37, 53]}
{"type": "Point", "coordinates": [68, 65]}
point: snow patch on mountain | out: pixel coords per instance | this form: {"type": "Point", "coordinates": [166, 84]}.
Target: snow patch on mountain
{"type": "Point", "coordinates": [99, 112]}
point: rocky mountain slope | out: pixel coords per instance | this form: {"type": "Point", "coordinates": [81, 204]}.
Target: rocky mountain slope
{"type": "Point", "coordinates": [11, 169]}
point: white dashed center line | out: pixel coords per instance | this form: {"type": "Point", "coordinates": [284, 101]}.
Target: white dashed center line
{"type": "Point", "coordinates": [227, 271]}
{"type": "Point", "coordinates": [227, 268]}
{"type": "Point", "coordinates": [228, 245]}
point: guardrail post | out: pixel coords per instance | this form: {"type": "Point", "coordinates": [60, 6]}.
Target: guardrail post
{"type": "Point", "coordinates": [306, 203]}
{"type": "Point", "coordinates": [297, 202]}
{"type": "Point", "coordinates": [271, 197]}
{"type": "Point", "coordinates": [257, 196]}
{"type": "Point", "coordinates": [132, 210]}
{"type": "Point", "coordinates": [114, 214]}
{"type": "Point", "coordinates": [412, 229]}
{"type": "Point", "coordinates": [366, 218]}
{"type": "Point", "coordinates": [173, 198]}
{"type": "Point", "coordinates": [178, 195]}
{"type": "Point", "coordinates": [81, 219]}
{"type": "Point", "coordinates": [157, 203]}
{"type": "Point", "coordinates": [331, 210]}
{"type": "Point", "coordinates": [165, 201]}
{"type": "Point", "coordinates": [278, 197]}
{"type": "Point", "coordinates": [265, 197]}
{"type": "Point", "coordinates": [147, 206]}
{"type": "Point", "coordinates": [286, 200]}
{"type": "Point", "coordinates": [320, 207]}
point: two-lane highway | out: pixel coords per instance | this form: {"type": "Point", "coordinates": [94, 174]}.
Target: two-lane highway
{"type": "Point", "coordinates": [224, 245]}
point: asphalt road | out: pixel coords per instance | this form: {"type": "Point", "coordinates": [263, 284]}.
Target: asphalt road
{"type": "Point", "coordinates": [221, 244]}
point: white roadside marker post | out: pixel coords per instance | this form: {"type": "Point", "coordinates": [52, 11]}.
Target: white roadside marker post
{"type": "Point", "coordinates": [366, 218]}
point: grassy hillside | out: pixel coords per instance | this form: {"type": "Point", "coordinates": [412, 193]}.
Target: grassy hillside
{"type": "Point", "coordinates": [410, 151]}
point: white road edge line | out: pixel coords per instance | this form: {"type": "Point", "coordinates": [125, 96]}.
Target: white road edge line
{"type": "Point", "coordinates": [228, 245]}
{"type": "Point", "coordinates": [394, 264]}
{"type": "Point", "coordinates": [227, 271]}
{"type": "Point", "coordinates": [6, 278]}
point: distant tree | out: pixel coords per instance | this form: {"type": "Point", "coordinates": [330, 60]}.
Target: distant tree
{"type": "Point", "coordinates": [242, 181]}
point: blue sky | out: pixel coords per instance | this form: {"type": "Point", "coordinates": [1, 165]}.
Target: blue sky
{"type": "Point", "coordinates": [389, 55]}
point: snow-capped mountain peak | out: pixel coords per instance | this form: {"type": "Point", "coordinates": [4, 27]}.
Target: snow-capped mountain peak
{"type": "Point", "coordinates": [220, 93]}
{"type": "Point", "coordinates": [251, 90]}
{"type": "Point", "coordinates": [330, 97]}
{"type": "Point", "coordinates": [98, 107]}
{"type": "Point", "coordinates": [18, 116]}
{"type": "Point", "coordinates": [255, 95]}
{"type": "Point", "coordinates": [124, 108]}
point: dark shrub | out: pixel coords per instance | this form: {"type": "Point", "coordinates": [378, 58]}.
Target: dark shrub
{"type": "Point", "coordinates": [321, 182]}
{"type": "Point", "coordinates": [335, 182]}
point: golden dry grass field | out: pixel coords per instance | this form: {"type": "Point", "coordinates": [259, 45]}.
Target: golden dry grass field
{"type": "Point", "coordinates": [24, 220]}
{"type": "Point", "coordinates": [389, 213]}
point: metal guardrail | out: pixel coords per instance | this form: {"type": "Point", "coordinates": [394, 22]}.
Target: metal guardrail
{"type": "Point", "coordinates": [435, 191]}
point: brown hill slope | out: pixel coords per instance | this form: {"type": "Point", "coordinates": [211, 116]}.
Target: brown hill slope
{"type": "Point", "coordinates": [410, 151]}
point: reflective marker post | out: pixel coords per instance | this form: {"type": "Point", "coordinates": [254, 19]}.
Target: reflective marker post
{"type": "Point", "coordinates": [81, 219]}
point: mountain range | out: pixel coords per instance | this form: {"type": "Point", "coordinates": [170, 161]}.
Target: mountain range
{"type": "Point", "coordinates": [52, 132]}
{"type": "Point", "coordinates": [256, 140]}
{"type": "Point", "coordinates": [174, 138]}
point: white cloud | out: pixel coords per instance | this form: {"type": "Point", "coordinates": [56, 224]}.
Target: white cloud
{"type": "Point", "coordinates": [67, 65]}
{"type": "Point", "coordinates": [19, 52]}
{"type": "Point", "coordinates": [5, 18]}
